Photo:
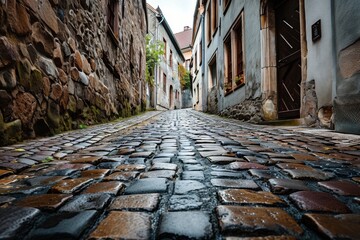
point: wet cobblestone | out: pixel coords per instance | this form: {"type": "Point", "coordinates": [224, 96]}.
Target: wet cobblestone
{"type": "Point", "coordinates": [182, 174]}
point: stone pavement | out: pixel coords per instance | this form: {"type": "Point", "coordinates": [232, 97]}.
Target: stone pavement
{"type": "Point", "coordinates": [182, 175]}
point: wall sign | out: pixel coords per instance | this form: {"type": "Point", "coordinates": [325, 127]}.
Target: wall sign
{"type": "Point", "coordinates": [316, 31]}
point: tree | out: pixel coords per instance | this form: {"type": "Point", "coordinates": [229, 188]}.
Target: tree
{"type": "Point", "coordinates": [154, 50]}
{"type": "Point", "coordinates": [184, 77]}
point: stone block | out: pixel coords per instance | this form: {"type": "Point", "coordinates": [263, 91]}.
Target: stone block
{"type": "Point", "coordinates": [66, 225]}
{"type": "Point", "coordinates": [42, 39]}
{"type": "Point", "coordinates": [136, 202]}
{"type": "Point", "coordinates": [86, 202]}
{"type": "Point", "coordinates": [44, 201]}
{"type": "Point", "coordinates": [342, 226]}
{"type": "Point", "coordinates": [9, 53]}
{"type": "Point", "coordinates": [256, 219]}
{"type": "Point", "coordinates": [185, 225]}
{"type": "Point", "coordinates": [78, 60]}
{"type": "Point", "coordinates": [37, 84]}
{"type": "Point", "coordinates": [8, 79]}
{"type": "Point", "coordinates": [56, 92]}
{"type": "Point", "coordinates": [18, 18]}
{"type": "Point", "coordinates": [45, 12]}
{"type": "Point", "coordinates": [70, 185]}
{"type": "Point", "coordinates": [318, 201]}
{"type": "Point", "coordinates": [14, 221]}
{"type": "Point", "coordinates": [48, 67]}
{"type": "Point", "coordinates": [123, 225]}
{"type": "Point", "coordinates": [83, 78]}
{"type": "Point", "coordinates": [57, 55]}
{"type": "Point", "coordinates": [24, 108]}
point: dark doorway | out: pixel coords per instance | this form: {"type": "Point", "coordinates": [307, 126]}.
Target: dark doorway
{"type": "Point", "coordinates": [288, 54]}
{"type": "Point", "coordinates": [171, 98]}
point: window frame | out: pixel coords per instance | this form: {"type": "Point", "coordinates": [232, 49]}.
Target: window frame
{"type": "Point", "coordinates": [237, 75]}
{"type": "Point", "coordinates": [226, 4]}
{"type": "Point", "coordinates": [171, 59]}
{"type": "Point", "coordinates": [165, 50]}
{"type": "Point", "coordinates": [200, 52]}
{"type": "Point", "coordinates": [164, 82]}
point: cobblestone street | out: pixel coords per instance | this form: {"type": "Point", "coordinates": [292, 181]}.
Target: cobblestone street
{"type": "Point", "coordinates": [182, 175]}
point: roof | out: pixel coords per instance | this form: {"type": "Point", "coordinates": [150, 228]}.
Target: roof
{"type": "Point", "coordinates": [161, 18]}
{"type": "Point", "coordinates": [184, 38]}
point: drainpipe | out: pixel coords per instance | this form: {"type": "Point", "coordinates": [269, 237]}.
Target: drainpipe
{"type": "Point", "coordinates": [156, 65]}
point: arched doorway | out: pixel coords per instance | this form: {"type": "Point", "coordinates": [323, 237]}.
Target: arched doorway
{"type": "Point", "coordinates": [171, 98]}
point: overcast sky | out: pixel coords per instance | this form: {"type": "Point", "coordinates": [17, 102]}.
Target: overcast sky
{"type": "Point", "coordinates": [178, 13]}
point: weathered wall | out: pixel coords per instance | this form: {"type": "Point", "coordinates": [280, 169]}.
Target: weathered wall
{"type": "Point", "coordinates": [59, 66]}
{"type": "Point", "coordinates": [347, 43]}
{"type": "Point", "coordinates": [198, 97]}
{"type": "Point", "coordinates": [158, 32]}
{"type": "Point", "coordinates": [186, 98]}
{"type": "Point", "coordinates": [248, 97]}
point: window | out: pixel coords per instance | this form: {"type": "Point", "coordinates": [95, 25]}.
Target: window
{"type": "Point", "coordinates": [197, 93]}
{"type": "Point", "coordinates": [123, 9]}
{"type": "Point", "coordinates": [171, 59]}
{"type": "Point", "coordinates": [164, 40]}
{"type": "Point", "coordinates": [239, 58]}
{"type": "Point", "coordinates": [212, 73]}
{"type": "Point", "coordinates": [228, 64]}
{"type": "Point", "coordinates": [196, 62]}
{"type": "Point", "coordinates": [112, 17]}
{"type": "Point", "coordinates": [200, 53]}
{"type": "Point", "coordinates": [208, 24]}
{"type": "Point", "coordinates": [214, 16]}
{"type": "Point", "coordinates": [187, 64]}
{"type": "Point", "coordinates": [212, 20]}
{"type": "Point", "coordinates": [140, 64]}
{"type": "Point", "coordinates": [226, 4]}
{"type": "Point", "coordinates": [234, 57]}
{"type": "Point", "coordinates": [164, 82]}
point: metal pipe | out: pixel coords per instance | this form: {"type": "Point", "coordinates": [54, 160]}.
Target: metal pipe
{"type": "Point", "coordinates": [156, 65]}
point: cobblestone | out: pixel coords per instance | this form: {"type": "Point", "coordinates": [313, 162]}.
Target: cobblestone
{"type": "Point", "coordinates": [182, 174]}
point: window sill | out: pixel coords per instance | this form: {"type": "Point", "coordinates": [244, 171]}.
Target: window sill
{"type": "Point", "coordinates": [227, 93]}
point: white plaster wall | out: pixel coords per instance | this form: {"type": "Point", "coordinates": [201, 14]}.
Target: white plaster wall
{"type": "Point", "coordinates": [320, 61]}
{"type": "Point", "coordinates": [197, 76]}
{"type": "Point", "coordinates": [171, 73]}
{"type": "Point", "coordinates": [252, 51]}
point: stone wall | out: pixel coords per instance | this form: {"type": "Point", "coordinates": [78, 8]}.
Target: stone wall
{"type": "Point", "coordinates": [247, 111]}
{"type": "Point", "coordinates": [60, 66]}
{"type": "Point", "coordinates": [186, 98]}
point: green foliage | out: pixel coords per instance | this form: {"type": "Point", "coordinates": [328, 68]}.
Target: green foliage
{"type": "Point", "coordinates": [47, 159]}
{"type": "Point", "coordinates": [184, 76]}
{"type": "Point", "coordinates": [154, 50]}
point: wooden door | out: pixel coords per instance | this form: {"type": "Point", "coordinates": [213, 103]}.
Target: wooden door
{"type": "Point", "coordinates": [288, 54]}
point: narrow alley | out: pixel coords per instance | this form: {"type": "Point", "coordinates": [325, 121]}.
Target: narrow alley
{"type": "Point", "coordinates": [182, 175]}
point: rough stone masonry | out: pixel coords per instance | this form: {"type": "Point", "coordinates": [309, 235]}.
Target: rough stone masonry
{"type": "Point", "coordinates": [62, 67]}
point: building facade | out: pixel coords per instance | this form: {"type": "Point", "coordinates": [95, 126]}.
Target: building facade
{"type": "Point", "coordinates": [66, 63]}
{"type": "Point", "coordinates": [198, 58]}
{"type": "Point", "coordinates": [184, 40]}
{"type": "Point", "coordinates": [292, 59]}
{"type": "Point", "coordinates": [166, 92]}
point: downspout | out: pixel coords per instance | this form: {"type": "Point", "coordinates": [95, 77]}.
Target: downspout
{"type": "Point", "coordinates": [156, 65]}
{"type": "Point", "coordinates": [204, 83]}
